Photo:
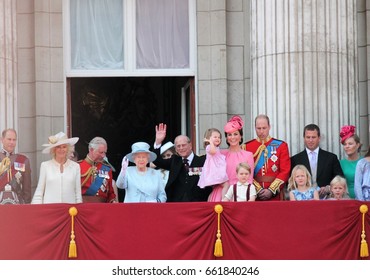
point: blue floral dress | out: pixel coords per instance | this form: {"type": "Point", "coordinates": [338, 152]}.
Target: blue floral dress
{"type": "Point", "coordinates": [307, 195]}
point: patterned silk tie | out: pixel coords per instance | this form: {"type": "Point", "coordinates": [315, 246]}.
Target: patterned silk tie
{"type": "Point", "coordinates": [186, 164]}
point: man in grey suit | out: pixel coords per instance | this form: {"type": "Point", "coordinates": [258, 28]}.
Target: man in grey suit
{"type": "Point", "coordinates": [323, 165]}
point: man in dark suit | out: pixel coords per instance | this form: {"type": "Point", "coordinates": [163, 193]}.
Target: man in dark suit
{"type": "Point", "coordinates": [323, 165]}
{"type": "Point", "coordinates": [185, 168]}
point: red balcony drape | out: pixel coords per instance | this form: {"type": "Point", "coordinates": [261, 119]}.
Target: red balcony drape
{"type": "Point", "coordinates": [185, 231]}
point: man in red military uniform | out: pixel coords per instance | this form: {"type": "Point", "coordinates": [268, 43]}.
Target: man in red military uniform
{"type": "Point", "coordinates": [96, 174]}
{"type": "Point", "coordinates": [272, 161]}
{"type": "Point", "coordinates": [15, 172]}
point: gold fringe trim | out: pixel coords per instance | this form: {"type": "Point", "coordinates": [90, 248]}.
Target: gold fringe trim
{"type": "Point", "coordinates": [257, 185]}
{"type": "Point", "coordinates": [72, 253]}
{"type": "Point", "coordinates": [218, 252]}
{"type": "Point", "coordinates": [364, 250]}
{"type": "Point", "coordinates": [275, 185]}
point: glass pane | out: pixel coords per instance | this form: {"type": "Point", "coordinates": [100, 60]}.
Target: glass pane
{"type": "Point", "coordinates": [96, 34]}
{"type": "Point", "coordinates": [162, 34]}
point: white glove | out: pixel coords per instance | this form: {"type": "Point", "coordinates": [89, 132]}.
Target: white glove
{"type": "Point", "coordinates": [122, 174]}
{"type": "Point", "coordinates": [124, 164]}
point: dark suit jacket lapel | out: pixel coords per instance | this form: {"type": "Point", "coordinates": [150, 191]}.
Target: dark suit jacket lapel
{"type": "Point", "coordinates": [305, 160]}
{"type": "Point", "coordinates": [196, 162]}
{"type": "Point", "coordinates": [177, 165]}
{"type": "Point", "coordinates": [321, 162]}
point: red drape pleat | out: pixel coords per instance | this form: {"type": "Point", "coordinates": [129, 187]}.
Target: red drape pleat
{"type": "Point", "coordinates": [185, 231]}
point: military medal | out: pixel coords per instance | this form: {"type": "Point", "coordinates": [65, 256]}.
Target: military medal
{"type": "Point", "coordinates": [195, 171]}
{"type": "Point", "coordinates": [102, 187]}
{"type": "Point", "coordinates": [8, 196]}
{"type": "Point", "coordinates": [103, 174]}
{"type": "Point", "coordinates": [20, 166]}
{"type": "Point", "coordinates": [274, 168]}
{"type": "Point", "coordinates": [273, 157]}
{"type": "Point", "coordinates": [18, 176]}
{"type": "Point", "coordinates": [7, 188]}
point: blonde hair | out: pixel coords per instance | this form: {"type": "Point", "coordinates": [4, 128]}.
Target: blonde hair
{"type": "Point", "coordinates": [208, 134]}
{"type": "Point", "coordinates": [244, 165]}
{"type": "Point", "coordinates": [69, 150]}
{"type": "Point", "coordinates": [292, 185]}
{"type": "Point", "coordinates": [339, 180]}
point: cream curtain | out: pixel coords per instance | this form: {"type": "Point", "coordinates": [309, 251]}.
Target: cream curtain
{"type": "Point", "coordinates": [96, 34]}
{"type": "Point", "coordinates": [162, 34]}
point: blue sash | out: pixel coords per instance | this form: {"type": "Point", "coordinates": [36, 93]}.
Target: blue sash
{"type": "Point", "coordinates": [276, 143]}
{"type": "Point", "coordinates": [98, 181]}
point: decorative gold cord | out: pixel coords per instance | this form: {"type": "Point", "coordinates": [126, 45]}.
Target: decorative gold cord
{"type": "Point", "coordinates": [218, 252]}
{"type": "Point", "coordinates": [364, 250]}
{"type": "Point", "coordinates": [88, 174]}
{"type": "Point", "coordinates": [72, 253]}
{"type": "Point", "coordinates": [259, 151]}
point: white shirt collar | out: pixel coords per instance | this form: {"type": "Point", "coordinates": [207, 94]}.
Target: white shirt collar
{"type": "Point", "coordinates": [190, 158]}
{"type": "Point", "coordinates": [316, 151]}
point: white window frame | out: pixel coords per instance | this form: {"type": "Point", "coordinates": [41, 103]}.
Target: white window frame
{"type": "Point", "coordinates": [129, 47]}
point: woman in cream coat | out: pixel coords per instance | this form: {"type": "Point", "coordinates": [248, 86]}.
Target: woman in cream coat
{"type": "Point", "coordinates": [60, 177]}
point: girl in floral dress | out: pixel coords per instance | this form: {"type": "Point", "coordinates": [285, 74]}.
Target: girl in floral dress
{"type": "Point", "coordinates": [299, 185]}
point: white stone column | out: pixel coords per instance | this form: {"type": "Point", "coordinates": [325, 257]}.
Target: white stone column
{"type": "Point", "coordinates": [363, 44]}
{"type": "Point", "coordinates": [212, 66]}
{"type": "Point", "coordinates": [304, 67]}
{"type": "Point", "coordinates": [8, 65]}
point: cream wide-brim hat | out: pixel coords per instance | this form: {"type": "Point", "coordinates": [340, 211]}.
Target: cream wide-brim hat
{"type": "Point", "coordinates": [140, 147]}
{"type": "Point", "coordinates": [166, 146]}
{"type": "Point", "coordinates": [57, 140]}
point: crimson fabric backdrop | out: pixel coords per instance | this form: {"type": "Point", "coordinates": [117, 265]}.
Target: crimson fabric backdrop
{"type": "Point", "coordinates": [185, 231]}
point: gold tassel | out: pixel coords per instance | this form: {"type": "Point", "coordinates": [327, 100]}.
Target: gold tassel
{"type": "Point", "coordinates": [72, 244]}
{"type": "Point", "coordinates": [364, 250]}
{"type": "Point", "coordinates": [218, 252]}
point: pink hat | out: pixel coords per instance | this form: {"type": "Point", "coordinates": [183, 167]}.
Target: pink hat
{"type": "Point", "coordinates": [346, 132]}
{"type": "Point", "coordinates": [235, 123]}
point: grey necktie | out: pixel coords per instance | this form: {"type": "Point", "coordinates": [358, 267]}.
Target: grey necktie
{"type": "Point", "coordinates": [313, 164]}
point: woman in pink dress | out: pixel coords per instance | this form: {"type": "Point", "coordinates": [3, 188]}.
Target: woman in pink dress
{"type": "Point", "coordinates": [214, 168]}
{"type": "Point", "coordinates": [235, 154]}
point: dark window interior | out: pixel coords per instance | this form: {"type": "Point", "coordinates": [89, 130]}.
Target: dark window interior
{"type": "Point", "coordinates": [123, 111]}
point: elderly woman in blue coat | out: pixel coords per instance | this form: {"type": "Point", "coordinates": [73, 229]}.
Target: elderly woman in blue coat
{"type": "Point", "coordinates": [141, 183]}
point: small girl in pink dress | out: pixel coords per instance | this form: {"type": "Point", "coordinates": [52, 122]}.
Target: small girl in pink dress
{"type": "Point", "coordinates": [214, 168]}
